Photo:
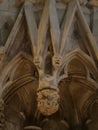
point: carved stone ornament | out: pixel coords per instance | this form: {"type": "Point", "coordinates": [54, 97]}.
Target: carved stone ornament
{"type": "Point", "coordinates": [48, 101]}
{"type": "Point", "coordinates": [49, 68]}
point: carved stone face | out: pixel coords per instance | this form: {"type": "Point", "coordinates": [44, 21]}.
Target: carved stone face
{"type": "Point", "coordinates": [48, 101]}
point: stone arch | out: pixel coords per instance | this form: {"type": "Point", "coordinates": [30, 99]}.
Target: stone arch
{"type": "Point", "coordinates": [81, 57]}
{"type": "Point", "coordinates": [12, 66]}
{"type": "Point", "coordinates": [76, 67]}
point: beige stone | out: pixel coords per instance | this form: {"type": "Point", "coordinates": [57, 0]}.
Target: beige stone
{"type": "Point", "coordinates": [49, 72]}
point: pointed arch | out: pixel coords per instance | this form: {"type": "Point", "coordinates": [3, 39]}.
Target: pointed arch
{"type": "Point", "coordinates": [82, 57]}
{"type": "Point", "coordinates": [15, 84]}
{"type": "Point", "coordinates": [15, 62]}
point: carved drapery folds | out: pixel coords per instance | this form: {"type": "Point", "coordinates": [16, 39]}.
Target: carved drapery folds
{"type": "Point", "coordinates": [49, 75]}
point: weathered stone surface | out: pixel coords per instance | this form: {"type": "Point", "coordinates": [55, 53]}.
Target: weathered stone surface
{"type": "Point", "coordinates": [49, 65]}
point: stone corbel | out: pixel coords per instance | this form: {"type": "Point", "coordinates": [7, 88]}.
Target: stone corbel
{"type": "Point", "coordinates": [56, 61]}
